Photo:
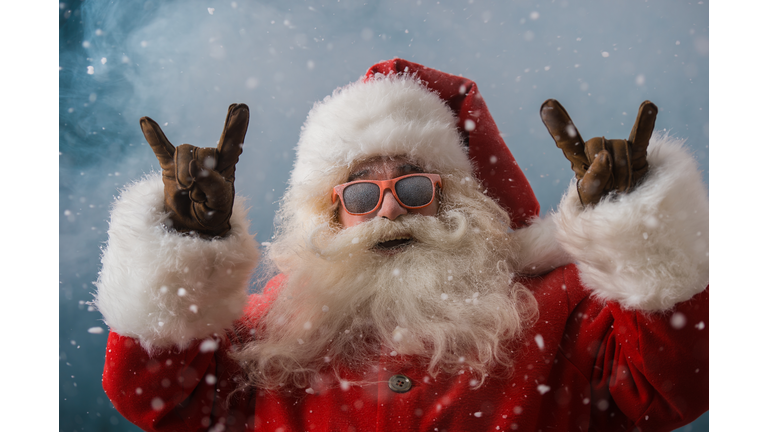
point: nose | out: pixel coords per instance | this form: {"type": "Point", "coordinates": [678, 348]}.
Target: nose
{"type": "Point", "coordinates": [390, 208]}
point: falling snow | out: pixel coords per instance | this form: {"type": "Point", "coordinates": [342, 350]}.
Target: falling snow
{"type": "Point", "coordinates": [157, 404]}
{"type": "Point", "coordinates": [677, 321]}
{"type": "Point", "coordinates": [209, 345]}
{"type": "Point", "coordinates": [571, 131]}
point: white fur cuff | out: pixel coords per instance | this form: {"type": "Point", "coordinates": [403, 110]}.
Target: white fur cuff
{"type": "Point", "coordinates": [540, 252]}
{"type": "Point", "coordinates": [648, 249]}
{"type": "Point", "coordinates": [164, 288]}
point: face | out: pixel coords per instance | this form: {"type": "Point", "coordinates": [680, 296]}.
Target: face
{"type": "Point", "coordinates": [443, 281]}
{"type": "Point", "coordinates": [384, 168]}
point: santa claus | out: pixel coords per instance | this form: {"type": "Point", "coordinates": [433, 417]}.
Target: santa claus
{"type": "Point", "coordinates": [415, 287]}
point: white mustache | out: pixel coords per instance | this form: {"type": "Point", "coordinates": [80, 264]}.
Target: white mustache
{"type": "Point", "coordinates": [447, 228]}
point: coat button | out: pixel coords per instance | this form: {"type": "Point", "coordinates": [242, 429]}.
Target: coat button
{"type": "Point", "coordinates": [400, 383]}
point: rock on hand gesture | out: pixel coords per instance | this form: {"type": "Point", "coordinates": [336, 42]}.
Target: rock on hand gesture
{"type": "Point", "coordinates": [200, 181]}
{"type": "Point", "coordinates": [602, 165]}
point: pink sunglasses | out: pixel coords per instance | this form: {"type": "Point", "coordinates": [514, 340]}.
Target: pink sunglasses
{"type": "Point", "coordinates": [412, 191]}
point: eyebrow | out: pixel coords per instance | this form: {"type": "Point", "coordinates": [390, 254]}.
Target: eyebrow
{"type": "Point", "coordinates": [356, 175]}
{"type": "Point", "coordinates": [409, 168]}
{"type": "Point", "coordinates": [403, 169]}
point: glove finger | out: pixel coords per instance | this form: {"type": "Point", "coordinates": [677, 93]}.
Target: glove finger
{"type": "Point", "coordinates": [641, 136]}
{"type": "Point", "coordinates": [185, 153]}
{"type": "Point", "coordinates": [210, 188]}
{"type": "Point", "coordinates": [231, 142]}
{"type": "Point", "coordinates": [622, 164]}
{"type": "Point", "coordinates": [565, 134]}
{"type": "Point", "coordinates": [593, 147]}
{"type": "Point", "coordinates": [163, 148]}
{"type": "Point", "coordinates": [214, 222]}
{"type": "Point", "coordinates": [596, 180]}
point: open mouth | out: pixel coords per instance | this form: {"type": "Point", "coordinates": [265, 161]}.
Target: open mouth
{"type": "Point", "coordinates": [395, 243]}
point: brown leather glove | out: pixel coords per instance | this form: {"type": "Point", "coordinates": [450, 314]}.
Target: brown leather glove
{"type": "Point", "coordinates": [602, 165]}
{"type": "Point", "coordinates": [200, 182]}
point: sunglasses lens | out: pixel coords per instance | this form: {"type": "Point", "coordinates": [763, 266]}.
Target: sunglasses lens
{"type": "Point", "coordinates": [415, 191]}
{"type": "Point", "coordinates": [361, 197]}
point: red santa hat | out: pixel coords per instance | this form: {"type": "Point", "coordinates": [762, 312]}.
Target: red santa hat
{"type": "Point", "coordinates": [403, 108]}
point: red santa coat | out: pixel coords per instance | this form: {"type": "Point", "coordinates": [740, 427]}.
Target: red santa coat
{"type": "Point", "coordinates": [585, 365]}
{"type": "Point", "coordinates": [620, 343]}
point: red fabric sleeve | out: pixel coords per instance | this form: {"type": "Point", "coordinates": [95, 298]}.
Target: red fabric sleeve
{"type": "Point", "coordinates": [173, 390]}
{"type": "Point", "coordinates": [184, 390]}
{"type": "Point", "coordinates": [651, 367]}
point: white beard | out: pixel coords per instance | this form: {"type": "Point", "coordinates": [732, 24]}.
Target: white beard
{"type": "Point", "coordinates": [446, 298]}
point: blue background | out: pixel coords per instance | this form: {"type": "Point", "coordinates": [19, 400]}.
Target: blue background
{"type": "Point", "coordinates": [183, 62]}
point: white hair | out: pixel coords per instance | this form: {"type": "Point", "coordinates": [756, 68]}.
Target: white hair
{"type": "Point", "coordinates": [447, 300]}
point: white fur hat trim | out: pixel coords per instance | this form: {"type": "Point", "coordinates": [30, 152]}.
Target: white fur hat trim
{"type": "Point", "coordinates": [384, 116]}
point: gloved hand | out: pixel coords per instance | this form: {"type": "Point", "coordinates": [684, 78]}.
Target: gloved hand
{"type": "Point", "coordinates": [200, 182]}
{"type": "Point", "coordinates": [602, 165]}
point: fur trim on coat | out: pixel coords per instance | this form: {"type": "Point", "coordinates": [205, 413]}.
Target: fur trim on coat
{"type": "Point", "coordinates": [164, 288]}
{"type": "Point", "coordinates": [648, 249]}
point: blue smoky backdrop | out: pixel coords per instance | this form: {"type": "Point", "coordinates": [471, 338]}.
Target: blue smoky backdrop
{"type": "Point", "coordinates": [183, 62]}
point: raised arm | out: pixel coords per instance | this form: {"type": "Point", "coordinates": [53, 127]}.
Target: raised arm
{"type": "Point", "coordinates": [179, 257]}
{"type": "Point", "coordinates": [636, 223]}
{"type": "Point", "coordinates": [174, 280]}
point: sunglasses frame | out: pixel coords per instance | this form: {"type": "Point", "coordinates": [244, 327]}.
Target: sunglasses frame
{"type": "Point", "coordinates": [385, 185]}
